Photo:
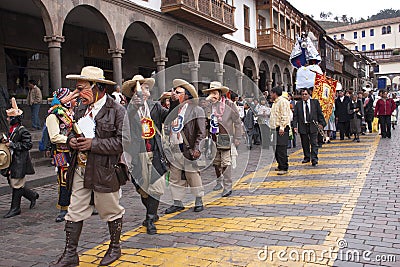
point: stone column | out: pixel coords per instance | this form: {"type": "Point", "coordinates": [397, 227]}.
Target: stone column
{"type": "Point", "coordinates": [194, 74]}
{"type": "Point", "coordinates": [160, 79]}
{"type": "Point", "coordinates": [54, 44]}
{"type": "Point", "coordinates": [256, 90]}
{"type": "Point", "coordinates": [116, 54]}
{"type": "Point", "coordinates": [220, 74]}
{"type": "Point", "coordinates": [239, 77]}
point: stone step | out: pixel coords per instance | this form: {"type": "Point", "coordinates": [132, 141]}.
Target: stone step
{"type": "Point", "coordinates": [41, 162]}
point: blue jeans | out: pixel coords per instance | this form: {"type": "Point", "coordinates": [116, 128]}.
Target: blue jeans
{"type": "Point", "coordinates": [35, 116]}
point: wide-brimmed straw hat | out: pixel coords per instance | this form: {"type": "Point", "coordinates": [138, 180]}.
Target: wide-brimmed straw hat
{"type": "Point", "coordinates": [216, 86]}
{"type": "Point", "coordinates": [14, 110]}
{"type": "Point", "coordinates": [91, 74]}
{"type": "Point", "coordinates": [129, 87]}
{"type": "Point", "coordinates": [186, 85]}
{"type": "Point", "coordinates": [5, 156]}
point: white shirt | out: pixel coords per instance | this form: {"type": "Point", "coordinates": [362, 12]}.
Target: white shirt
{"type": "Point", "coordinates": [341, 99]}
{"type": "Point", "coordinates": [97, 106]}
{"type": "Point", "coordinates": [304, 109]}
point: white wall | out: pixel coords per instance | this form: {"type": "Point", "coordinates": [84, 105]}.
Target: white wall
{"type": "Point", "coordinates": [152, 4]}
{"type": "Point", "coordinates": [238, 36]}
{"type": "Point", "coordinates": [388, 68]}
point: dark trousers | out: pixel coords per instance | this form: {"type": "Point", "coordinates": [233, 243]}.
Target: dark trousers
{"type": "Point", "coordinates": [265, 135]}
{"type": "Point", "coordinates": [344, 128]}
{"type": "Point", "coordinates": [281, 149]}
{"type": "Point", "coordinates": [3, 121]}
{"type": "Point", "coordinates": [369, 124]}
{"type": "Point", "coordinates": [385, 124]}
{"type": "Point", "coordinates": [307, 140]}
{"type": "Point", "coordinates": [35, 108]}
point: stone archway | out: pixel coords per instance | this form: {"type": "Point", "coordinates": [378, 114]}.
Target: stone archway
{"type": "Point", "coordinates": [232, 75]}
{"type": "Point", "coordinates": [250, 85]}
{"type": "Point", "coordinates": [287, 80]}
{"type": "Point", "coordinates": [210, 69]}
{"type": "Point", "coordinates": [276, 76]}
{"type": "Point", "coordinates": [265, 79]}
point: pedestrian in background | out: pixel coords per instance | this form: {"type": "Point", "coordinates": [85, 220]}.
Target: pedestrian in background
{"type": "Point", "coordinates": [264, 113]}
{"type": "Point", "coordinates": [280, 121]}
{"type": "Point", "coordinates": [34, 101]}
{"type": "Point", "coordinates": [341, 114]}
{"type": "Point", "coordinates": [4, 105]}
{"type": "Point", "coordinates": [383, 110]}
{"type": "Point", "coordinates": [118, 96]}
{"type": "Point", "coordinates": [19, 142]}
{"type": "Point", "coordinates": [248, 122]}
{"type": "Point", "coordinates": [356, 111]}
{"type": "Point", "coordinates": [369, 108]}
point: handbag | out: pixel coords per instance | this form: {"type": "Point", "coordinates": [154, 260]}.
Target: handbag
{"type": "Point", "coordinates": [223, 141]}
{"type": "Point", "coordinates": [121, 170]}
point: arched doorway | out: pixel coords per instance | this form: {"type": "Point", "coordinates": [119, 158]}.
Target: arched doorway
{"type": "Point", "coordinates": [232, 74]}
{"type": "Point", "coordinates": [264, 74]}
{"type": "Point", "coordinates": [209, 66]}
{"type": "Point", "coordinates": [88, 36]}
{"type": "Point", "coordinates": [276, 76]}
{"type": "Point", "coordinates": [249, 70]}
{"type": "Point", "coordinates": [287, 80]}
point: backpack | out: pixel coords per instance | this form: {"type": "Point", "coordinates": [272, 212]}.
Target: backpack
{"type": "Point", "coordinates": [44, 143]}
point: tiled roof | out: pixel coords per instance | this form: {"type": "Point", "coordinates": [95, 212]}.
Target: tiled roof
{"type": "Point", "coordinates": [363, 25]}
{"type": "Point", "coordinates": [346, 42]}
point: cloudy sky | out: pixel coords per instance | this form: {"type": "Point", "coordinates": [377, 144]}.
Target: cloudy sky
{"type": "Point", "coordinates": [351, 8]}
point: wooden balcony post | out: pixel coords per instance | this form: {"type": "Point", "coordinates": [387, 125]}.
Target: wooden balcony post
{"type": "Point", "coordinates": [223, 11]}
{"type": "Point", "coordinates": [210, 6]}
{"type": "Point", "coordinates": [196, 4]}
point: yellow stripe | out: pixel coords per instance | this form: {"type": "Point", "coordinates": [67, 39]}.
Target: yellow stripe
{"type": "Point", "coordinates": [297, 183]}
{"type": "Point", "coordinates": [333, 155]}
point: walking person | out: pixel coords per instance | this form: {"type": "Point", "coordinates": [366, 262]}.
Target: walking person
{"type": "Point", "coordinates": [142, 142]}
{"type": "Point", "coordinates": [4, 105]}
{"type": "Point", "coordinates": [187, 129]}
{"type": "Point", "coordinates": [279, 122]}
{"type": "Point", "coordinates": [356, 111]}
{"type": "Point", "coordinates": [264, 113]}
{"type": "Point", "coordinates": [308, 121]}
{"type": "Point", "coordinates": [248, 122]}
{"type": "Point", "coordinates": [92, 173]}
{"type": "Point", "coordinates": [19, 143]}
{"type": "Point", "coordinates": [34, 101]}
{"type": "Point", "coordinates": [383, 110]}
{"type": "Point", "coordinates": [225, 129]}
{"type": "Point", "coordinates": [369, 108]}
{"type": "Point", "coordinates": [59, 126]}
{"type": "Point", "coordinates": [342, 116]}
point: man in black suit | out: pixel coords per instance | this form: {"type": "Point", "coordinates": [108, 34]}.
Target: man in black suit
{"type": "Point", "coordinates": [307, 117]}
{"type": "Point", "coordinates": [342, 117]}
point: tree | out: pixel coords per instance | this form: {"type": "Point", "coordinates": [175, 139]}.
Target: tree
{"type": "Point", "coordinates": [344, 18]}
{"type": "Point", "coordinates": [337, 19]}
{"type": "Point", "coordinates": [351, 20]}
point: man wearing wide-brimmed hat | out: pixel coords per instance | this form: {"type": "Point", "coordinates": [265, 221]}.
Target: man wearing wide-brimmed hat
{"type": "Point", "coordinates": [19, 141]}
{"type": "Point", "coordinates": [59, 126]}
{"type": "Point", "coordinates": [142, 143]}
{"type": "Point", "coordinates": [187, 129]}
{"type": "Point", "coordinates": [225, 125]}
{"type": "Point", "coordinates": [92, 173]}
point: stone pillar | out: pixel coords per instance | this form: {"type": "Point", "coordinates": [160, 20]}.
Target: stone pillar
{"type": "Point", "coordinates": [220, 74]}
{"type": "Point", "coordinates": [160, 79]}
{"type": "Point", "coordinates": [54, 44]}
{"type": "Point", "coordinates": [256, 90]}
{"type": "Point", "coordinates": [239, 77]}
{"type": "Point", "coordinates": [194, 74]}
{"type": "Point", "coordinates": [269, 86]}
{"type": "Point", "coordinates": [116, 54]}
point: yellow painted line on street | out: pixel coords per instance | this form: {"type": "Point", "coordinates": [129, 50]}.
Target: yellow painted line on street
{"type": "Point", "coordinates": [325, 162]}
{"type": "Point", "coordinates": [333, 155]}
{"type": "Point", "coordinates": [288, 199]}
{"type": "Point", "coordinates": [298, 183]}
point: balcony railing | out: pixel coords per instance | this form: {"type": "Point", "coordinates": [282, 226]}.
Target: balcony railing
{"type": "Point", "coordinates": [347, 67]}
{"type": "Point", "coordinates": [275, 42]}
{"type": "Point", "coordinates": [215, 15]}
{"type": "Point", "coordinates": [338, 66]}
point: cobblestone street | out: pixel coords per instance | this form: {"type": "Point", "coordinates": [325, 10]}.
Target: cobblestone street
{"type": "Point", "coordinates": [346, 211]}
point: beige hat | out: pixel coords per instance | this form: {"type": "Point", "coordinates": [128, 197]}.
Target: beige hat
{"type": "Point", "coordinates": [14, 110]}
{"type": "Point", "coordinates": [91, 74]}
{"type": "Point", "coordinates": [128, 87]}
{"type": "Point", "coordinates": [5, 156]}
{"type": "Point", "coordinates": [285, 95]}
{"type": "Point", "coordinates": [216, 86]}
{"type": "Point", "coordinates": [186, 85]}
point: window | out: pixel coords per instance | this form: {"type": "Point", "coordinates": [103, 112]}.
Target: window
{"type": "Point", "coordinates": [363, 47]}
{"type": "Point", "coordinates": [356, 48]}
{"type": "Point", "coordinates": [246, 13]}
{"type": "Point", "coordinates": [334, 37]}
{"type": "Point", "coordinates": [388, 29]}
{"type": "Point", "coordinates": [371, 32]}
{"type": "Point", "coordinates": [363, 34]}
{"type": "Point", "coordinates": [383, 30]}
{"type": "Point", "coordinates": [342, 36]}
{"type": "Point", "coordinates": [371, 47]}
{"type": "Point", "coordinates": [383, 46]}
{"type": "Point", "coordinates": [355, 35]}
{"type": "Point", "coordinates": [261, 22]}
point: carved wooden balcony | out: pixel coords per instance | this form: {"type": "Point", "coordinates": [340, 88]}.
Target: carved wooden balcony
{"type": "Point", "coordinates": [214, 15]}
{"type": "Point", "coordinates": [274, 42]}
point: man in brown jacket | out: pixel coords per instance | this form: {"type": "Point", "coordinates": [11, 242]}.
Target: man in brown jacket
{"type": "Point", "coordinates": [34, 101]}
{"type": "Point", "coordinates": [100, 118]}
{"type": "Point", "coordinates": [224, 121]}
{"type": "Point", "coordinates": [187, 129]}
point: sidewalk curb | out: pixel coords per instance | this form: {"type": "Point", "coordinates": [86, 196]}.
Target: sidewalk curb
{"type": "Point", "coordinates": [4, 190]}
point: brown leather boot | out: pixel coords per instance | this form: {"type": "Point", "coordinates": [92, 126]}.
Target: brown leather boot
{"type": "Point", "coordinates": [114, 250]}
{"type": "Point", "coordinates": [70, 257]}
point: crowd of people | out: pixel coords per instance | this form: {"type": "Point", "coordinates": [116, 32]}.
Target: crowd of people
{"type": "Point", "coordinates": [99, 141]}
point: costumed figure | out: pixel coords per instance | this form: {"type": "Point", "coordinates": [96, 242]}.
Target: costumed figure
{"type": "Point", "coordinates": [142, 144]}
{"type": "Point", "coordinates": [19, 143]}
{"type": "Point", "coordinates": [225, 129]}
{"type": "Point", "coordinates": [96, 147]}
{"type": "Point", "coordinates": [59, 126]}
